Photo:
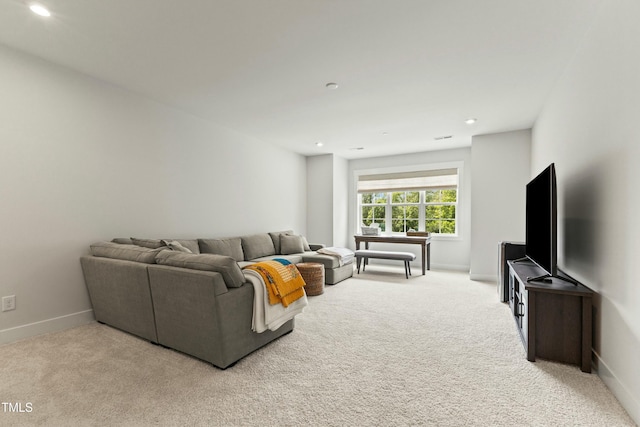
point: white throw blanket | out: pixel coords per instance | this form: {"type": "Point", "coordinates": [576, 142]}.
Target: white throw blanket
{"type": "Point", "coordinates": [265, 315]}
{"type": "Point", "coordinates": [344, 255]}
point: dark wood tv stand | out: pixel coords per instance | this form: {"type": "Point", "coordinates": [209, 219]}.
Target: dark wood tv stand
{"type": "Point", "coordinates": [553, 318]}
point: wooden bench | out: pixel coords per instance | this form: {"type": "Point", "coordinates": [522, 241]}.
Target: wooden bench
{"type": "Point", "coordinates": [400, 256]}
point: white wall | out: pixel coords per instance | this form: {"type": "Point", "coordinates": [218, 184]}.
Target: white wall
{"type": "Point", "coordinates": [340, 202]}
{"type": "Point", "coordinates": [83, 161]}
{"type": "Point", "coordinates": [327, 177]}
{"type": "Point", "coordinates": [589, 129]}
{"type": "Point", "coordinates": [501, 170]}
{"type": "Point", "coordinates": [320, 199]}
{"type": "Point", "coordinates": [446, 253]}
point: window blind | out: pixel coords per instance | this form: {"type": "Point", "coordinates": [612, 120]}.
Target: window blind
{"type": "Point", "coordinates": [440, 179]}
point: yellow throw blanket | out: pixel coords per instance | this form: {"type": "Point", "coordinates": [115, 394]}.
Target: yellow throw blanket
{"type": "Point", "coordinates": [282, 279]}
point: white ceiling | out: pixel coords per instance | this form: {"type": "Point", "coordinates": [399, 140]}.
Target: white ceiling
{"type": "Point", "coordinates": [415, 69]}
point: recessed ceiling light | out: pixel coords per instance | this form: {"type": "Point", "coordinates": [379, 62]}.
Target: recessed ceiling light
{"type": "Point", "coordinates": [331, 86]}
{"type": "Point", "coordinates": [38, 9]}
{"type": "Point", "coordinates": [470, 121]}
{"type": "Point", "coordinates": [319, 144]}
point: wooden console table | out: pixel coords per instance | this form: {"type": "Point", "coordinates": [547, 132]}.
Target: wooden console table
{"type": "Point", "coordinates": [423, 241]}
{"type": "Point", "coordinates": [553, 318]}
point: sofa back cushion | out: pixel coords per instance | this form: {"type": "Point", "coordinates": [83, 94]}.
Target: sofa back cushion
{"type": "Point", "coordinates": [228, 247]}
{"type": "Point", "coordinates": [226, 266]}
{"type": "Point", "coordinates": [125, 252]}
{"type": "Point", "coordinates": [257, 245]}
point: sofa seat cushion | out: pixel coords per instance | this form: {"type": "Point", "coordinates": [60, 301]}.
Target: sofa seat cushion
{"type": "Point", "coordinates": [243, 264]}
{"type": "Point", "coordinates": [293, 258]}
{"type": "Point", "coordinates": [125, 252]}
{"type": "Point", "coordinates": [228, 247]}
{"type": "Point", "coordinates": [226, 266]}
{"type": "Point", "coordinates": [257, 246]}
{"type": "Point", "coordinates": [328, 260]}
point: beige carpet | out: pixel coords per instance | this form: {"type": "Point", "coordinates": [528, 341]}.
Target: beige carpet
{"type": "Point", "coordinates": [437, 350]}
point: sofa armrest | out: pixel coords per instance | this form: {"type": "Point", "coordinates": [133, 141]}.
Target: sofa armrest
{"type": "Point", "coordinates": [177, 279]}
{"type": "Point", "coordinates": [120, 294]}
{"type": "Point", "coordinates": [198, 315]}
{"type": "Point", "coordinates": [316, 246]}
{"type": "Point", "coordinates": [186, 310]}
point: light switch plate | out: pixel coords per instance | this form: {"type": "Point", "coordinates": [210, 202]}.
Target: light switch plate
{"type": "Point", "coordinates": [9, 303]}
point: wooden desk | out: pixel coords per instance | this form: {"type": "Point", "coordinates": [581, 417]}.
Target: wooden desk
{"type": "Point", "coordinates": [423, 241]}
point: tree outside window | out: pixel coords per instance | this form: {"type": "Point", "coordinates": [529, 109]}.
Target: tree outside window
{"type": "Point", "coordinates": [440, 213]}
{"type": "Point", "coordinates": [405, 211]}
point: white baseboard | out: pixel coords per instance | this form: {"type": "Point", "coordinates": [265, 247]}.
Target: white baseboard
{"type": "Point", "coordinates": [618, 388]}
{"type": "Point", "coordinates": [46, 326]}
{"type": "Point", "coordinates": [483, 277]}
{"type": "Point", "coordinates": [450, 267]}
{"type": "Point", "coordinates": [417, 265]}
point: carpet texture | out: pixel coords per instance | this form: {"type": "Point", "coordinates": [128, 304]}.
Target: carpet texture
{"type": "Point", "coordinates": [374, 350]}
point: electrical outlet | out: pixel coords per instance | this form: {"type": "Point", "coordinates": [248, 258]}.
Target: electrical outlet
{"type": "Point", "coordinates": [9, 303]}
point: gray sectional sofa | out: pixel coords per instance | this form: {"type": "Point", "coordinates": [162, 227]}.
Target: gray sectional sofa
{"type": "Point", "coordinates": [191, 295]}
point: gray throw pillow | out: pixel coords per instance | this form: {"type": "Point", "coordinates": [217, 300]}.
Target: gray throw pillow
{"type": "Point", "coordinates": [291, 244]}
{"type": "Point", "coordinates": [305, 244]}
{"type": "Point", "coordinates": [122, 240]}
{"type": "Point", "coordinates": [125, 252]}
{"type": "Point", "coordinates": [147, 243]}
{"type": "Point", "coordinates": [174, 245]}
{"type": "Point", "coordinates": [226, 266]}
{"type": "Point", "coordinates": [191, 244]}
{"type": "Point", "coordinates": [275, 238]}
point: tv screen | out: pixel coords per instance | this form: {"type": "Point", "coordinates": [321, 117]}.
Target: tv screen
{"type": "Point", "coordinates": [541, 220]}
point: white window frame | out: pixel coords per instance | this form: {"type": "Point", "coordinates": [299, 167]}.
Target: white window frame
{"type": "Point", "coordinates": [424, 219]}
{"type": "Point", "coordinates": [422, 204]}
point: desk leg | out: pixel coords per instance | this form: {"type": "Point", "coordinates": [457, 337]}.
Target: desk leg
{"type": "Point", "coordinates": [429, 256]}
{"type": "Point", "coordinates": [424, 248]}
{"type": "Point", "coordinates": [366, 260]}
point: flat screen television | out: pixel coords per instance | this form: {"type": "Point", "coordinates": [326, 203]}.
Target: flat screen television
{"type": "Point", "coordinates": [541, 243]}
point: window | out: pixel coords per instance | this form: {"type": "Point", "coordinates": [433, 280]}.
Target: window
{"type": "Point", "coordinates": [405, 210]}
{"type": "Point", "coordinates": [440, 211]}
{"type": "Point", "coordinates": [374, 209]}
{"type": "Point", "coordinates": [420, 201]}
